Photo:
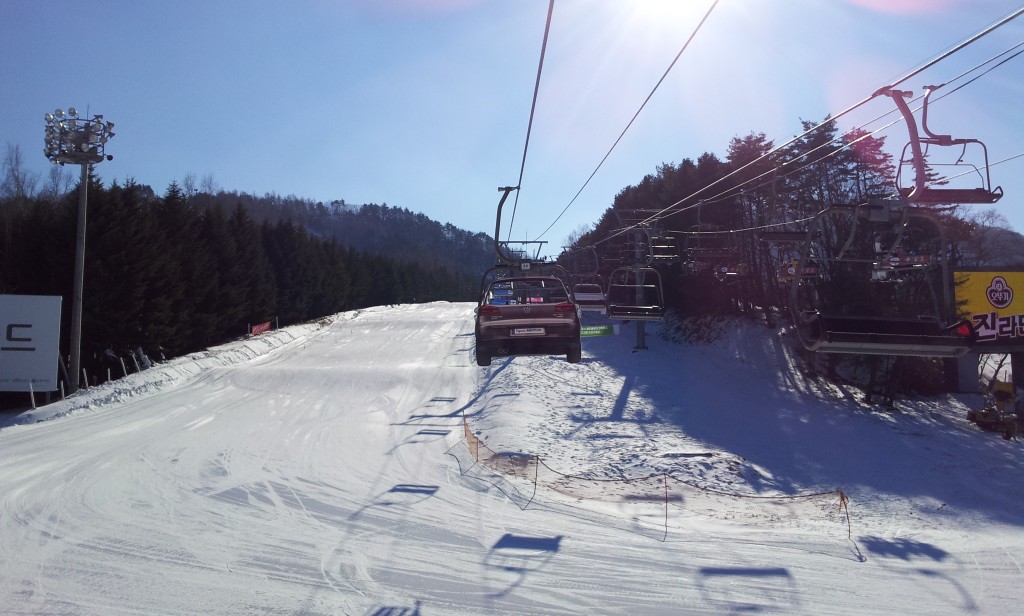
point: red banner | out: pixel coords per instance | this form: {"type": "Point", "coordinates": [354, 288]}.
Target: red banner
{"type": "Point", "coordinates": [259, 329]}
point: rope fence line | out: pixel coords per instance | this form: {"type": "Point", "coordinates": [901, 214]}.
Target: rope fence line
{"type": "Point", "coordinates": [658, 495]}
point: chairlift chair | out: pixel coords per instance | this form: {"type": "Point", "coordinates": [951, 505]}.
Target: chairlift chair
{"type": "Point", "coordinates": [637, 250]}
{"type": "Point", "coordinates": [794, 271]}
{"type": "Point", "coordinates": [955, 184]}
{"type": "Point", "coordinates": [731, 271]}
{"type": "Point", "coordinates": [784, 237]}
{"type": "Point", "coordinates": [635, 294]}
{"type": "Point", "coordinates": [524, 269]}
{"type": "Point", "coordinates": [782, 242]}
{"type": "Point", "coordinates": [710, 249]}
{"type": "Point", "coordinates": [709, 241]}
{"type": "Point", "coordinates": [664, 248]}
{"type": "Point", "coordinates": [905, 327]}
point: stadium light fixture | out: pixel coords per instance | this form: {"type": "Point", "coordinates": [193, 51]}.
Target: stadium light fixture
{"type": "Point", "coordinates": [81, 141]}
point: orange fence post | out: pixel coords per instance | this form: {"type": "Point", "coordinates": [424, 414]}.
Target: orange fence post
{"type": "Point", "coordinates": [844, 506]}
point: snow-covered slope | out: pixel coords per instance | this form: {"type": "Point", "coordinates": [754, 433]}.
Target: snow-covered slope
{"type": "Point", "coordinates": [325, 469]}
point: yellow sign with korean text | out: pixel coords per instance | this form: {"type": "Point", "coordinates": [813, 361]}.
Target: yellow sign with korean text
{"type": "Point", "coordinates": [994, 303]}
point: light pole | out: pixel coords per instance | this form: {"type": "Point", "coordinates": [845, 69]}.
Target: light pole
{"type": "Point", "coordinates": [79, 141]}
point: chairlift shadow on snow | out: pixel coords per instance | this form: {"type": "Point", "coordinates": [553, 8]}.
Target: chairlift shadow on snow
{"type": "Point", "coordinates": [401, 495]}
{"type": "Point", "coordinates": [733, 590]}
{"type": "Point", "coordinates": [419, 418]}
{"type": "Point", "coordinates": [394, 610]}
{"type": "Point", "coordinates": [513, 557]}
{"type": "Point", "coordinates": [619, 413]}
{"type": "Point", "coordinates": [420, 436]}
{"type": "Point", "coordinates": [903, 549]}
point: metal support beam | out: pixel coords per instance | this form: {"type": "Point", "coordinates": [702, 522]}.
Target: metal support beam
{"type": "Point", "coordinates": [76, 306]}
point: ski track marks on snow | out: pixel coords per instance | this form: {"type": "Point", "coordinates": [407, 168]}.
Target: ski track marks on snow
{"type": "Point", "coordinates": [322, 469]}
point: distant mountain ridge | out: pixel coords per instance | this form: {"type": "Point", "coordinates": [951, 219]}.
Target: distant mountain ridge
{"type": "Point", "coordinates": [397, 233]}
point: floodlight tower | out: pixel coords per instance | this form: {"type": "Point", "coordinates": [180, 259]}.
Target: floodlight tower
{"type": "Point", "coordinates": [79, 141]}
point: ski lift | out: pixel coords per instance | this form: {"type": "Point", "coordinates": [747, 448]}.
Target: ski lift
{"type": "Point", "coordinates": [523, 269]}
{"type": "Point", "coordinates": [784, 237]}
{"type": "Point", "coordinates": [581, 262]}
{"type": "Point", "coordinates": [783, 242]}
{"type": "Point", "coordinates": [635, 294]}
{"type": "Point", "coordinates": [709, 241]}
{"type": "Point", "coordinates": [664, 248]}
{"type": "Point", "coordinates": [953, 166]}
{"type": "Point", "coordinates": [731, 271]}
{"type": "Point", "coordinates": [903, 250]}
{"type": "Point", "coordinates": [792, 270]}
{"type": "Point", "coordinates": [590, 297]}
{"type": "Point", "coordinates": [894, 264]}
{"type": "Point", "coordinates": [710, 249]}
{"type": "Point", "coordinates": [910, 319]}
{"type": "Point", "coordinates": [636, 251]}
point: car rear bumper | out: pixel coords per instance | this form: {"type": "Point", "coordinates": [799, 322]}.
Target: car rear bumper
{"type": "Point", "coordinates": [498, 339]}
{"type": "Point", "coordinates": [527, 346]}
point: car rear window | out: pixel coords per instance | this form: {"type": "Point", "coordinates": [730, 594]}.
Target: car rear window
{"type": "Point", "coordinates": [528, 291]}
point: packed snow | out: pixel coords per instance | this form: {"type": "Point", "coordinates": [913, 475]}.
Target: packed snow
{"type": "Point", "coordinates": [365, 465]}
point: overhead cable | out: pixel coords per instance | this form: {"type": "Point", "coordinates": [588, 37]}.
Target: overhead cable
{"type": "Point", "coordinates": [533, 108]}
{"type": "Point", "coordinates": [725, 194]}
{"type": "Point", "coordinates": [633, 119]}
{"type": "Point", "coordinates": [842, 113]}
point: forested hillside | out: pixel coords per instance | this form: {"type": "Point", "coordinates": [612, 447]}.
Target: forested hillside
{"type": "Point", "coordinates": [179, 272]}
{"type": "Point", "coordinates": [706, 228]}
{"type": "Point", "coordinates": [756, 189]}
{"type": "Point", "coordinates": [396, 233]}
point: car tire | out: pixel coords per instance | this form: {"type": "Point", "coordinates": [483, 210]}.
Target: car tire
{"type": "Point", "coordinates": [574, 354]}
{"type": "Point", "coordinates": [483, 357]}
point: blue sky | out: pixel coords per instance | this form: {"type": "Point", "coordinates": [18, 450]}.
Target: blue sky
{"type": "Point", "coordinates": [423, 104]}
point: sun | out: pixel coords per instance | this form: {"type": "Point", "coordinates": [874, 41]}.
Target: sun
{"type": "Point", "coordinates": [643, 27]}
{"type": "Point", "coordinates": [659, 14]}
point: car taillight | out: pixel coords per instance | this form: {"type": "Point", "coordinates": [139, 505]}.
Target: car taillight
{"type": "Point", "coordinates": [489, 312]}
{"type": "Point", "coordinates": [564, 309]}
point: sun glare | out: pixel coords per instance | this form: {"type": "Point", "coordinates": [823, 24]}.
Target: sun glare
{"type": "Point", "coordinates": [662, 14]}
{"type": "Point", "coordinates": [903, 7]}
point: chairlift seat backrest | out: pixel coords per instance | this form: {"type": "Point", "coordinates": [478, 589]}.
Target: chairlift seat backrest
{"type": "Point", "coordinates": [884, 336]}
{"type": "Point", "coordinates": [635, 295]}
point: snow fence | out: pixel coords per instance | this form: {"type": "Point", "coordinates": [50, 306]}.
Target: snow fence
{"type": "Point", "coordinates": [653, 504]}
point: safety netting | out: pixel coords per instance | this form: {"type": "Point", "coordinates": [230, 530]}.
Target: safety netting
{"type": "Point", "coordinates": [653, 504]}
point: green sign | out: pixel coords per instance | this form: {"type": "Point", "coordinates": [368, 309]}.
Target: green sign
{"type": "Point", "coordinates": [599, 330]}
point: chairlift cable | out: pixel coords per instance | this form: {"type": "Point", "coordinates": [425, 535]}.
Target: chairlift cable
{"type": "Point", "coordinates": [633, 119]}
{"type": "Point", "coordinates": [999, 162]}
{"type": "Point", "coordinates": [723, 195]}
{"type": "Point", "coordinates": [844, 112]}
{"type": "Point", "coordinates": [533, 109]}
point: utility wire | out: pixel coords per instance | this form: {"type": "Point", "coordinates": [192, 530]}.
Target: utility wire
{"type": "Point", "coordinates": [533, 108]}
{"type": "Point", "coordinates": [633, 119]}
